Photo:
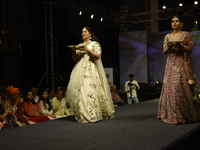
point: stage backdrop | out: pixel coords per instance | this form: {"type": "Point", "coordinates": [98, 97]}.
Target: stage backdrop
{"type": "Point", "coordinates": [133, 56]}
{"type": "Point", "coordinates": [109, 75]}
{"type": "Point", "coordinates": [157, 59]}
{"type": "Point", "coordinates": [134, 50]}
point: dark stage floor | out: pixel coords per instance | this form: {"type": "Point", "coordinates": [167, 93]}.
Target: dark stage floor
{"type": "Point", "coordinates": [134, 128]}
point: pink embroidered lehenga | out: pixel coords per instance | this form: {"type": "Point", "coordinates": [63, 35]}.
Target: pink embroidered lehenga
{"type": "Point", "coordinates": [177, 104]}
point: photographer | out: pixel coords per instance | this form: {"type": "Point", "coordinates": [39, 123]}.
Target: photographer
{"type": "Point", "coordinates": [130, 88]}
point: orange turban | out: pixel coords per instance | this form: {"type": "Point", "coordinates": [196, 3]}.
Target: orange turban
{"type": "Point", "coordinates": [11, 91]}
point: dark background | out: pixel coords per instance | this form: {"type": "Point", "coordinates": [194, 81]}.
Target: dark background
{"type": "Point", "coordinates": [23, 59]}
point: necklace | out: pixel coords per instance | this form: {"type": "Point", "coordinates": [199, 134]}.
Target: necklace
{"type": "Point", "coordinates": [177, 34]}
{"type": "Point", "coordinates": [88, 42]}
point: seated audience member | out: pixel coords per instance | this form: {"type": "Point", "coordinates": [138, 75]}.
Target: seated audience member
{"type": "Point", "coordinates": [45, 105]}
{"type": "Point", "coordinates": [32, 110]}
{"type": "Point", "coordinates": [12, 94]}
{"type": "Point", "coordinates": [16, 106]}
{"type": "Point", "coordinates": [62, 88]}
{"type": "Point", "coordinates": [67, 103]}
{"type": "Point", "coordinates": [116, 98]}
{"type": "Point", "coordinates": [7, 120]}
{"type": "Point", "coordinates": [59, 105]}
{"type": "Point", "coordinates": [51, 93]}
{"type": "Point", "coordinates": [34, 90]}
{"type": "Point", "coordinates": [21, 95]}
{"type": "Point", "coordinates": [20, 117]}
{"type": "Point", "coordinates": [3, 96]}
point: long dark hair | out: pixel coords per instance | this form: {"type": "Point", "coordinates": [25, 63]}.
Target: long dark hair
{"type": "Point", "coordinates": [94, 38]}
{"type": "Point", "coordinates": [45, 99]}
{"type": "Point", "coordinates": [26, 99]}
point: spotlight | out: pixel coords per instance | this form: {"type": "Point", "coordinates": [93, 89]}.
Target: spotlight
{"type": "Point", "coordinates": [196, 22]}
{"type": "Point", "coordinates": [80, 12]}
{"type": "Point", "coordinates": [180, 4]}
{"type": "Point", "coordinates": [196, 2]}
{"type": "Point", "coordinates": [92, 16]}
{"type": "Point", "coordinates": [101, 19]}
{"type": "Point", "coordinates": [164, 7]}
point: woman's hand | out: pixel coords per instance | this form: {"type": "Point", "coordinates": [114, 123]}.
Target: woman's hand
{"type": "Point", "coordinates": [8, 109]}
{"type": "Point", "coordinates": [17, 101]}
{"type": "Point", "coordinates": [85, 49]}
{"type": "Point", "coordinates": [176, 46]}
{"type": "Point", "coordinates": [170, 45]}
{"type": "Point", "coordinates": [37, 114]}
{"type": "Point", "coordinates": [81, 46]}
{"type": "Point", "coordinates": [91, 52]}
{"type": "Point", "coordinates": [54, 116]}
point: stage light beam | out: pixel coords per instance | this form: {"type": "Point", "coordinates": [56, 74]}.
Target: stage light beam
{"type": "Point", "coordinates": [196, 2]}
{"type": "Point", "coordinates": [180, 4]}
{"type": "Point", "coordinates": [195, 28]}
{"type": "Point", "coordinates": [164, 7]}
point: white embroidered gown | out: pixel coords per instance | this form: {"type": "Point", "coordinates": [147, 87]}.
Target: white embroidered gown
{"type": "Point", "coordinates": [88, 91]}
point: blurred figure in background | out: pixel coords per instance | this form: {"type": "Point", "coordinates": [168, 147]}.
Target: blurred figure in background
{"type": "Point", "coordinates": [116, 98]}
{"type": "Point", "coordinates": [59, 105]}
{"type": "Point", "coordinates": [45, 105]}
{"type": "Point", "coordinates": [131, 88]}
{"type": "Point", "coordinates": [35, 92]}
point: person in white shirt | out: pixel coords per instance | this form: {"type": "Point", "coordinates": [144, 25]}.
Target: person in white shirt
{"type": "Point", "coordinates": [131, 88]}
{"type": "Point", "coordinates": [59, 105]}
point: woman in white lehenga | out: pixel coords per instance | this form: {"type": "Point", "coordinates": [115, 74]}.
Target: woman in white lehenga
{"type": "Point", "coordinates": [88, 92]}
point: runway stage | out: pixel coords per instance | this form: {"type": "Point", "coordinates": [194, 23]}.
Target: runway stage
{"type": "Point", "coordinates": [134, 128]}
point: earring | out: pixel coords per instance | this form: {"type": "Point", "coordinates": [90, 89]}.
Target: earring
{"type": "Point", "coordinates": [90, 37]}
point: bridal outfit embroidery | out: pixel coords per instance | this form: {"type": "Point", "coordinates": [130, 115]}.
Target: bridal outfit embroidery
{"type": "Point", "coordinates": [88, 91]}
{"type": "Point", "coordinates": [177, 104]}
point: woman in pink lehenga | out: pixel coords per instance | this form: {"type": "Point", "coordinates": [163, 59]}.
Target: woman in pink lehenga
{"type": "Point", "coordinates": [177, 104]}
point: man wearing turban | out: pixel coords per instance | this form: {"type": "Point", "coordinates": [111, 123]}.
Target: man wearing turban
{"type": "Point", "coordinates": [15, 106]}
{"type": "Point", "coordinates": [12, 94]}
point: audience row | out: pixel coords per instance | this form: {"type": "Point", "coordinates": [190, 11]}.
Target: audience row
{"type": "Point", "coordinates": [18, 110]}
